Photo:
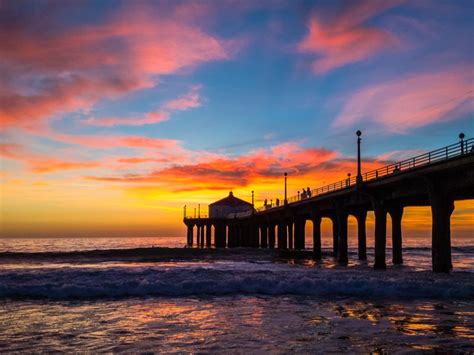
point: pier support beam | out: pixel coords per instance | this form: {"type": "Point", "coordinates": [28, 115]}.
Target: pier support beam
{"type": "Point", "coordinates": [316, 236]}
{"type": "Point", "coordinates": [244, 239]}
{"type": "Point", "coordinates": [282, 235]}
{"type": "Point", "coordinates": [201, 236]}
{"type": "Point", "coordinates": [231, 236]}
{"type": "Point", "coordinates": [342, 227]}
{"type": "Point", "coordinates": [441, 209]}
{"type": "Point", "coordinates": [300, 233]}
{"type": "Point", "coordinates": [380, 212]}
{"type": "Point", "coordinates": [240, 236]}
{"type": "Point", "coordinates": [335, 236]}
{"type": "Point", "coordinates": [361, 217]}
{"type": "Point", "coordinates": [396, 213]}
{"type": "Point", "coordinates": [190, 235]}
{"type": "Point", "coordinates": [220, 235]}
{"type": "Point", "coordinates": [271, 236]}
{"type": "Point", "coordinates": [290, 235]}
{"type": "Point", "coordinates": [263, 236]}
{"type": "Point", "coordinates": [208, 235]}
{"type": "Point", "coordinates": [255, 236]}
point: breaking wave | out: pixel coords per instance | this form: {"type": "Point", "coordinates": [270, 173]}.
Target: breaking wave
{"type": "Point", "coordinates": [81, 282]}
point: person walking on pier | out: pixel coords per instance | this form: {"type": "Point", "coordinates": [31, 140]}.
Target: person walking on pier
{"type": "Point", "coordinates": [308, 192]}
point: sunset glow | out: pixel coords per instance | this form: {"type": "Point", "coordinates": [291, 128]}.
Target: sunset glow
{"type": "Point", "coordinates": [115, 116]}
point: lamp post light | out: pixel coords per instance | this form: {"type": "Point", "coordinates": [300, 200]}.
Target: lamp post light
{"type": "Point", "coordinates": [286, 199]}
{"type": "Point", "coordinates": [461, 137]}
{"type": "Point", "coordinates": [359, 175]}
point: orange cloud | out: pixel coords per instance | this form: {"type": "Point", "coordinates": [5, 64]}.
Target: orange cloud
{"type": "Point", "coordinates": [112, 141]}
{"type": "Point", "coordinates": [50, 72]}
{"type": "Point", "coordinates": [412, 101]}
{"type": "Point", "coordinates": [42, 164]}
{"type": "Point", "coordinates": [346, 39]}
{"type": "Point", "coordinates": [316, 166]}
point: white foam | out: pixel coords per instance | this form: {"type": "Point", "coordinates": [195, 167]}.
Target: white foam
{"type": "Point", "coordinates": [233, 278]}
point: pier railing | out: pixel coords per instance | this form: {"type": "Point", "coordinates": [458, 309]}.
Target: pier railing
{"type": "Point", "coordinates": [426, 159]}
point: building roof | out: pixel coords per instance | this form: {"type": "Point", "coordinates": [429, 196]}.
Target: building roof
{"type": "Point", "coordinates": [232, 201]}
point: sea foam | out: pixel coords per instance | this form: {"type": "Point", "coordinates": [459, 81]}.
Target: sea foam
{"type": "Point", "coordinates": [82, 282]}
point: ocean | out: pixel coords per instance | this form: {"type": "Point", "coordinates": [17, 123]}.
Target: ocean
{"type": "Point", "coordinates": [66, 295]}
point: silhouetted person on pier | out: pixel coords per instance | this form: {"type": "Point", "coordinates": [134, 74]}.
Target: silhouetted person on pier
{"type": "Point", "coordinates": [397, 169]}
{"type": "Point", "coordinates": [277, 202]}
{"type": "Point", "coordinates": [308, 192]}
{"type": "Point", "coordinates": [303, 194]}
{"type": "Point", "coordinates": [348, 180]}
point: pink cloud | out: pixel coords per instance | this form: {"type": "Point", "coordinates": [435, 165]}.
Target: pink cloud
{"type": "Point", "coordinates": [190, 100]}
{"type": "Point", "coordinates": [50, 72]}
{"type": "Point", "coordinates": [346, 39]}
{"type": "Point", "coordinates": [149, 118]}
{"type": "Point", "coordinates": [185, 102]}
{"type": "Point", "coordinates": [412, 101]}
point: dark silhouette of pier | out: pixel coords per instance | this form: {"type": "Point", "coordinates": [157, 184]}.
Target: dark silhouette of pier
{"type": "Point", "coordinates": [435, 179]}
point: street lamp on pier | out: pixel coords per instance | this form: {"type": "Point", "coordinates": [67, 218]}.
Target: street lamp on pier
{"type": "Point", "coordinates": [286, 199]}
{"type": "Point", "coordinates": [359, 174]}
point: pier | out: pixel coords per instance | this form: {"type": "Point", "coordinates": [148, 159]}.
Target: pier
{"type": "Point", "coordinates": [436, 179]}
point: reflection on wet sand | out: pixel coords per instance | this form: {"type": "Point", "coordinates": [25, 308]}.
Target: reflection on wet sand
{"type": "Point", "coordinates": [236, 324]}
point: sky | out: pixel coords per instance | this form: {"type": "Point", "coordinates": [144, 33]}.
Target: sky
{"type": "Point", "coordinates": [116, 114]}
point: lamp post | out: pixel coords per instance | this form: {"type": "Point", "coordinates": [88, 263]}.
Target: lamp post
{"type": "Point", "coordinates": [461, 137]}
{"type": "Point", "coordinates": [359, 175]}
{"type": "Point", "coordinates": [286, 200]}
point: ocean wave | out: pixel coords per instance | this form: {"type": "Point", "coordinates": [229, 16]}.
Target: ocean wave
{"type": "Point", "coordinates": [257, 279]}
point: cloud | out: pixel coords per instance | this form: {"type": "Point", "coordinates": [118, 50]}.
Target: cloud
{"type": "Point", "coordinates": [412, 101]}
{"type": "Point", "coordinates": [183, 103]}
{"type": "Point", "coordinates": [49, 69]}
{"type": "Point", "coordinates": [239, 171]}
{"type": "Point", "coordinates": [346, 38]}
{"type": "Point", "coordinates": [149, 118]}
{"type": "Point", "coordinates": [42, 164]}
{"type": "Point", "coordinates": [114, 141]}
{"type": "Point", "coordinates": [190, 100]}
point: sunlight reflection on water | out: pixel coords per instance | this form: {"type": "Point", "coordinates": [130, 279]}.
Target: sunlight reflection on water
{"type": "Point", "coordinates": [235, 324]}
